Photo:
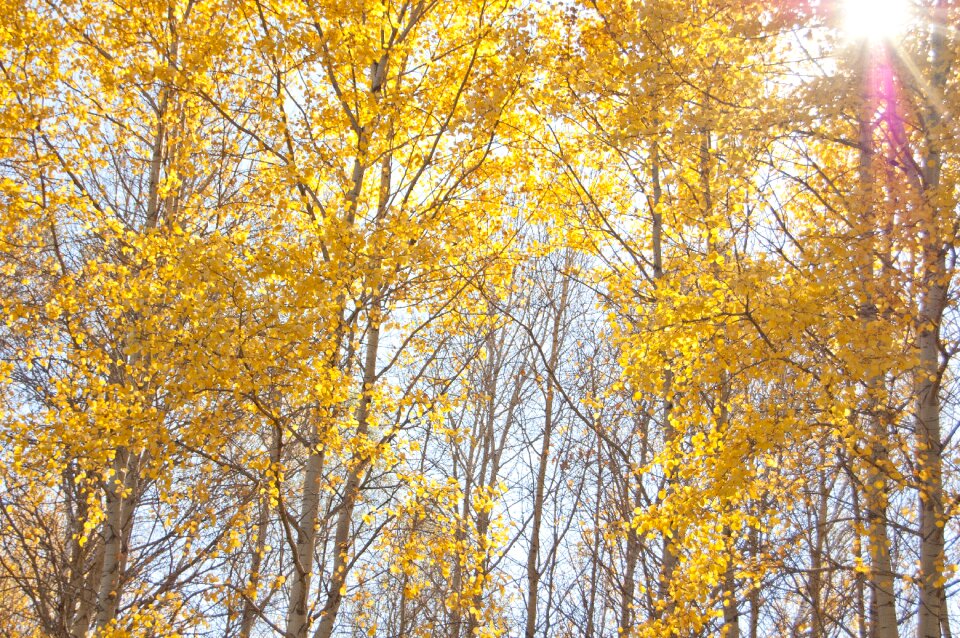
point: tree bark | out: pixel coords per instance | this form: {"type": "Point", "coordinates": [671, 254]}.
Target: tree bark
{"type": "Point", "coordinates": [121, 491]}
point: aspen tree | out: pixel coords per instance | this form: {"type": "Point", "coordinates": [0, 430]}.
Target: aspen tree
{"type": "Point", "coordinates": [932, 614]}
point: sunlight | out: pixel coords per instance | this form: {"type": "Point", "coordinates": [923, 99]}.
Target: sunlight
{"type": "Point", "coordinates": [876, 19]}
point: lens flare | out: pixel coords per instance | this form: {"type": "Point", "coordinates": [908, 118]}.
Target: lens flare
{"type": "Point", "coordinates": [876, 19]}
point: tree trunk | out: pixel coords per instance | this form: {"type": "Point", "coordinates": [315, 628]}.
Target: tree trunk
{"type": "Point", "coordinates": [342, 540]}
{"type": "Point", "coordinates": [669, 560]}
{"type": "Point", "coordinates": [731, 610]}
{"type": "Point", "coordinates": [297, 619]}
{"type": "Point", "coordinates": [249, 614]}
{"type": "Point", "coordinates": [79, 603]}
{"type": "Point", "coordinates": [754, 595]}
{"type": "Point", "coordinates": [533, 554]}
{"type": "Point", "coordinates": [860, 581]}
{"type": "Point", "coordinates": [629, 583]}
{"type": "Point", "coordinates": [595, 553]}
{"type": "Point", "coordinates": [815, 587]}
{"type": "Point", "coordinates": [931, 614]}
{"type": "Point", "coordinates": [121, 491]}
{"type": "Point", "coordinates": [883, 612]}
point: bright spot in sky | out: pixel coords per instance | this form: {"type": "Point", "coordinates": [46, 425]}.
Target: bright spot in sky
{"type": "Point", "coordinates": [876, 19]}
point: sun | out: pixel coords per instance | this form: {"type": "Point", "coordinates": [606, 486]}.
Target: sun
{"type": "Point", "coordinates": [876, 19]}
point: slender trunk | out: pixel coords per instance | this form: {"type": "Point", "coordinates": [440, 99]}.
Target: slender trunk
{"type": "Point", "coordinates": [297, 611]}
{"type": "Point", "coordinates": [79, 604]}
{"type": "Point", "coordinates": [754, 596]}
{"type": "Point", "coordinates": [595, 554]}
{"type": "Point", "coordinates": [249, 614]}
{"type": "Point", "coordinates": [120, 490]}
{"type": "Point", "coordinates": [629, 583]}
{"type": "Point", "coordinates": [112, 534]}
{"type": "Point", "coordinates": [490, 459]}
{"type": "Point", "coordinates": [883, 612]}
{"type": "Point", "coordinates": [490, 467]}
{"type": "Point", "coordinates": [815, 586]}
{"type": "Point", "coordinates": [131, 495]}
{"type": "Point", "coordinates": [456, 583]}
{"type": "Point", "coordinates": [858, 524]}
{"type": "Point", "coordinates": [297, 619]}
{"type": "Point", "coordinates": [669, 560]}
{"type": "Point", "coordinates": [731, 609]}
{"type": "Point", "coordinates": [86, 599]}
{"type": "Point", "coordinates": [533, 554]}
{"type": "Point", "coordinates": [931, 614]}
{"type": "Point", "coordinates": [402, 622]}
{"type": "Point", "coordinates": [342, 541]}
